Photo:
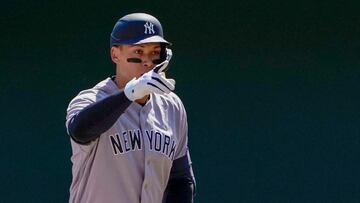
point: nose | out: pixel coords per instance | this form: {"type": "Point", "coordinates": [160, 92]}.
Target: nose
{"type": "Point", "coordinates": [147, 62]}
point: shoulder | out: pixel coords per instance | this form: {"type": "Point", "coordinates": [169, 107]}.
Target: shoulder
{"type": "Point", "coordinates": [171, 102]}
{"type": "Point", "coordinates": [174, 98]}
{"type": "Point", "coordinates": [99, 91]}
{"type": "Point", "coordinates": [171, 99]}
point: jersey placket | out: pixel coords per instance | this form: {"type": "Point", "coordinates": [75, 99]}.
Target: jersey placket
{"type": "Point", "coordinates": [145, 127]}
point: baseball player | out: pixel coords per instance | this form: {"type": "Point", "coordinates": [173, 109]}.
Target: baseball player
{"type": "Point", "coordinates": [129, 132]}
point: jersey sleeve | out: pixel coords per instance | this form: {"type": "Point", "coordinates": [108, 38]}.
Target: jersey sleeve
{"type": "Point", "coordinates": [82, 100]}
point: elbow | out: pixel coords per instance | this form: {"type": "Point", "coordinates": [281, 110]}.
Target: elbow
{"type": "Point", "coordinates": [77, 133]}
{"type": "Point", "coordinates": [79, 138]}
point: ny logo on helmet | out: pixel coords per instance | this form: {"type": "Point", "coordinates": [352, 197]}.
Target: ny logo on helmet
{"type": "Point", "coordinates": [149, 28]}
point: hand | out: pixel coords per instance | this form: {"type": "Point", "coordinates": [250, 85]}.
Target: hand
{"type": "Point", "coordinates": [168, 54]}
{"type": "Point", "coordinates": [161, 69]}
{"type": "Point", "coordinates": [153, 81]}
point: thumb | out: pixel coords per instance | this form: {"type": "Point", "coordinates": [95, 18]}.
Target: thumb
{"type": "Point", "coordinates": [172, 81]}
{"type": "Point", "coordinates": [162, 74]}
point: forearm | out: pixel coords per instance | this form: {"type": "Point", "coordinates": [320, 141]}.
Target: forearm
{"type": "Point", "coordinates": [98, 117]}
{"type": "Point", "coordinates": [180, 191]}
{"type": "Point", "coordinates": [181, 186]}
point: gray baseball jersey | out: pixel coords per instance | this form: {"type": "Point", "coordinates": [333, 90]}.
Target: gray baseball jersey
{"type": "Point", "coordinates": [131, 161]}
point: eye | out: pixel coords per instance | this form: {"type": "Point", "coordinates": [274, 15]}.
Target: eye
{"type": "Point", "coordinates": [156, 53]}
{"type": "Point", "coordinates": [138, 51]}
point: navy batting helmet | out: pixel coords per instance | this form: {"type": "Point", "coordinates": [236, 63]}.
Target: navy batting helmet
{"type": "Point", "coordinates": [137, 28]}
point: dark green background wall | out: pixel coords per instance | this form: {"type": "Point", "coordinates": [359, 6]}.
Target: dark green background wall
{"type": "Point", "coordinates": [271, 89]}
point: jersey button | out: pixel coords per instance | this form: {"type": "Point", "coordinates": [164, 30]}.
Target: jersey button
{"type": "Point", "coordinates": [148, 162]}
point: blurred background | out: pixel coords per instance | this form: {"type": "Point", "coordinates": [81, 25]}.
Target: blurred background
{"type": "Point", "coordinates": [271, 89]}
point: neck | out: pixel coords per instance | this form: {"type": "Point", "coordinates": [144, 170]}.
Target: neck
{"type": "Point", "coordinates": [143, 100]}
{"type": "Point", "coordinates": [119, 83]}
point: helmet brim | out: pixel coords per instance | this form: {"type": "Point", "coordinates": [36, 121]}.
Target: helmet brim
{"type": "Point", "coordinates": [153, 39]}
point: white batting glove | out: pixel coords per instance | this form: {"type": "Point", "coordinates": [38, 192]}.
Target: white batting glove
{"type": "Point", "coordinates": [172, 81]}
{"type": "Point", "coordinates": [168, 54]}
{"type": "Point", "coordinates": [162, 69]}
{"type": "Point", "coordinates": [150, 82]}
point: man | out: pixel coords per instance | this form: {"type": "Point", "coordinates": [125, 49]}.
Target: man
{"type": "Point", "coordinates": [129, 132]}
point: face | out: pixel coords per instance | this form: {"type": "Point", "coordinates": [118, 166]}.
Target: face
{"type": "Point", "coordinates": [126, 70]}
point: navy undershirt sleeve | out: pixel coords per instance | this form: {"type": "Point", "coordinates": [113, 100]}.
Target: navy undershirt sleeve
{"type": "Point", "coordinates": [181, 185]}
{"type": "Point", "coordinates": [98, 117]}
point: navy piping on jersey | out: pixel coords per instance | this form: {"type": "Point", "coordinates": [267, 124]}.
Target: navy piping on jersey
{"type": "Point", "coordinates": [98, 117]}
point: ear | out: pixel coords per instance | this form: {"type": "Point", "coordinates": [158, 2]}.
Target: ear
{"type": "Point", "coordinates": [114, 51]}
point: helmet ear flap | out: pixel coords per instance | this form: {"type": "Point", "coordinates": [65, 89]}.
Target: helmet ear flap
{"type": "Point", "coordinates": [163, 53]}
